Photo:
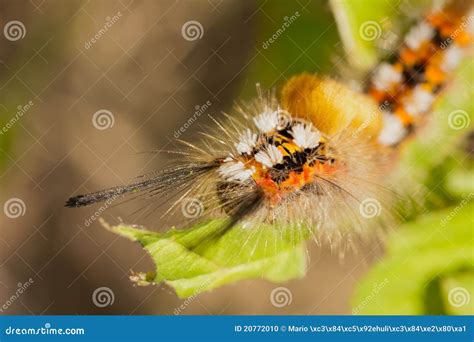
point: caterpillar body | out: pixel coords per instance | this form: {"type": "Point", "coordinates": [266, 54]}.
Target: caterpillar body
{"type": "Point", "coordinates": [315, 158]}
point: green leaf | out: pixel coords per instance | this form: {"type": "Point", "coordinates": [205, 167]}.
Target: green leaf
{"type": "Point", "coordinates": [423, 260]}
{"type": "Point", "coordinates": [199, 259]}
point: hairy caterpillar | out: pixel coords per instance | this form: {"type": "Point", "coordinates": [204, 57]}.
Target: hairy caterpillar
{"type": "Point", "coordinates": [313, 159]}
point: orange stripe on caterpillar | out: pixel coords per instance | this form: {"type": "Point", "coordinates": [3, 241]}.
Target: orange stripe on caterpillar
{"type": "Point", "coordinates": [424, 65]}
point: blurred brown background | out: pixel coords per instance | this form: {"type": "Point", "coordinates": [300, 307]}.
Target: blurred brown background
{"type": "Point", "coordinates": [148, 79]}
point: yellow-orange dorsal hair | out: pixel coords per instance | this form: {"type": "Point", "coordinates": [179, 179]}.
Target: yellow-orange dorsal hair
{"type": "Point", "coordinates": [331, 106]}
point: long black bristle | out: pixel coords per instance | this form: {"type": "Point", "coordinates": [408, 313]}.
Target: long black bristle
{"type": "Point", "coordinates": [76, 201]}
{"type": "Point", "coordinates": [163, 181]}
{"type": "Point", "coordinates": [101, 196]}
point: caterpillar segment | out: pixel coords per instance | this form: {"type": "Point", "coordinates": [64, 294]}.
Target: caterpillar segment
{"type": "Point", "coordinates": [400, 93]}
{"type": "Point", "coordinates": [314, 158]}
{"type": "Point", "coordinates": [420, 71]}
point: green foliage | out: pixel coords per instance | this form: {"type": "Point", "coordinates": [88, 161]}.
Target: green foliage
{"type": "Point", "coordinates": [456, 287]}
{"type": "Point", "coordinates": [200, 258]}
{"type": "Point", "coordinates": [365, 23]}
{"type": "Point", "coordinates": [432, 256]}
{"type": "Point", "coordinates": [291, 39]}
{"type": "Point", "coordinates": [359, 23]}
{"type": "Point", "coordinates": [426, 259]}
